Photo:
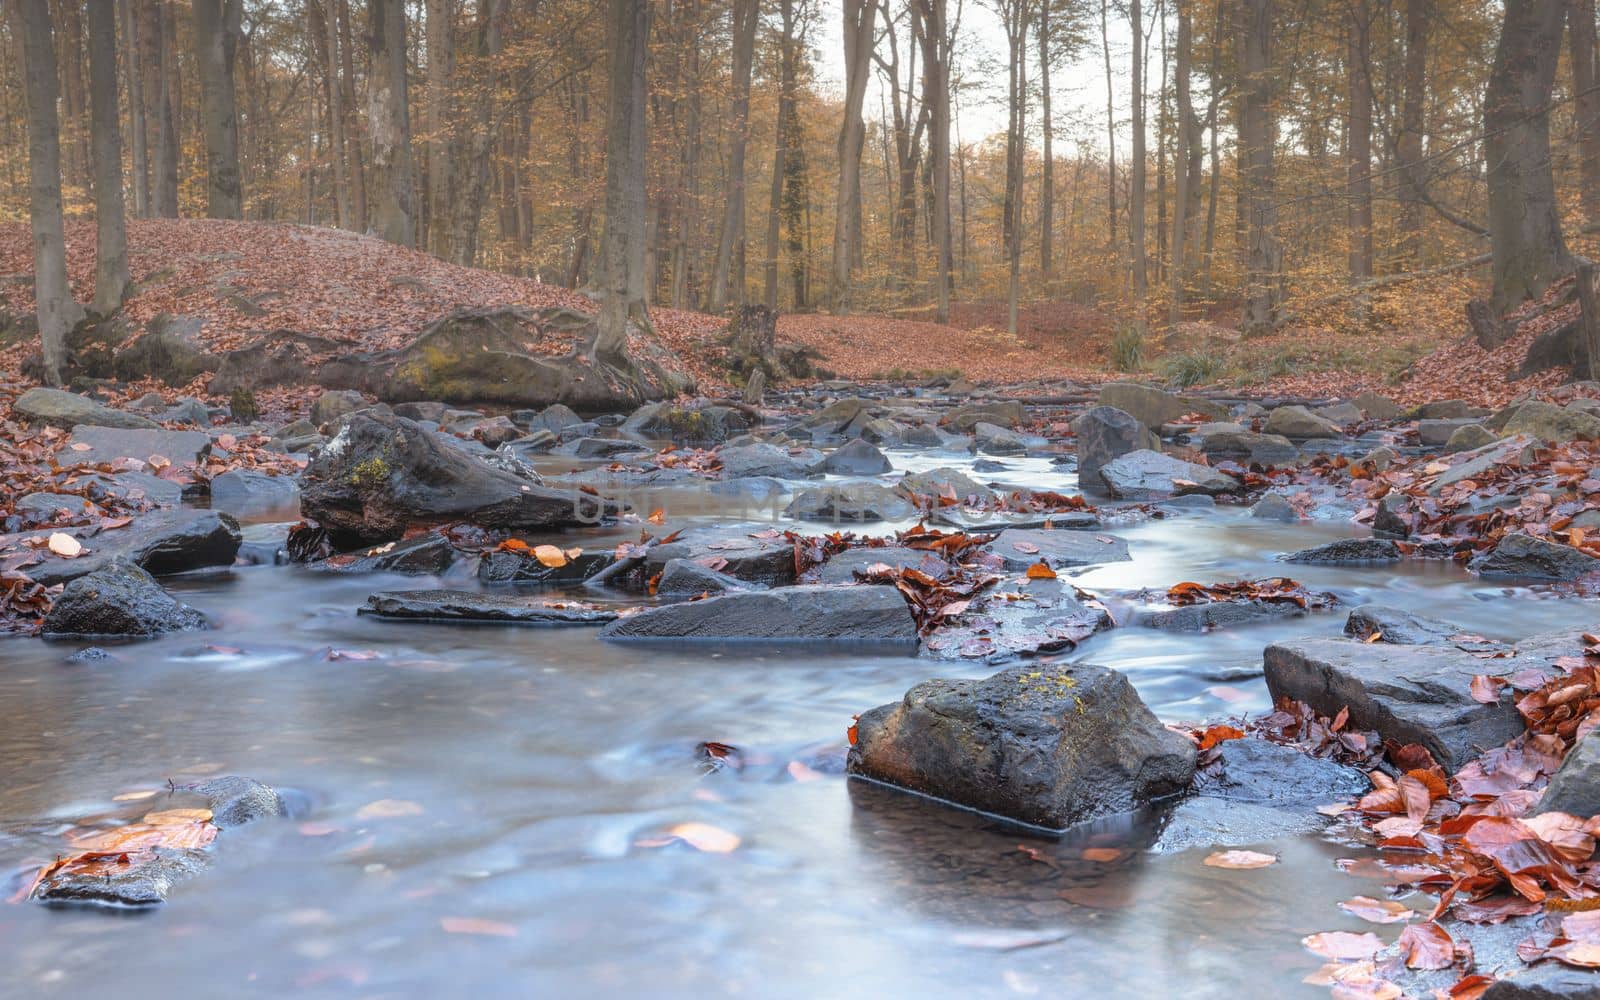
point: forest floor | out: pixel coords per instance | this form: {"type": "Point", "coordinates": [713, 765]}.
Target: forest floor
{"type": "Point", "coordinates": [242, 279]}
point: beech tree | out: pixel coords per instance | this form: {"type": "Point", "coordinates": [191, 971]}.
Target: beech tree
{"type": "Point", "coordinates": [394, 209]}
{"type": "Point", "coordinates": [54, 305]}
{"type": "Point", "coordinates": [216, 37]}
{"type": "Point", "coordinates": [622, 244]}
{"type": "Point", "coordinates": [111, 235]}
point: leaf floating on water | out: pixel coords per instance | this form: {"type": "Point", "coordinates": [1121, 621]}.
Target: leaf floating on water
{"type": "Point", "coordinates": [64, 545]}
{"type": "Point", "coordinates": [170, 816]}
{"type": "Point", "coordinates": [389, 809]}
{"type": "Point", "coordinates": [1343, 945]}
{"type": "Point", "coordinates": [1240, 859]}
{"type": "Point", "coordinates": [477, 925]}
{"type": "Point", "coordinates": [705, 837]}
{"type": "Point", "coordinates": [1377, 911]}
{"type": "Point", "coordinates": [1100, 855]}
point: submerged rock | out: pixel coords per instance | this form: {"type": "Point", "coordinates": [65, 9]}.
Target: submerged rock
{"type": "Point", "coordinates": [119, 599]}
{"type": "Point", "coordinates": [502, 566]}
{"type": "Point", "coordinates": [850, 502]}
{"type": "Point", "coordinates": [246, 491]}
{"type": "Point", "coordinates": [1400, 628]}
{"type": "Point", "coordinates": [466, 606]}
{"type": "Point", "coordinates": [380, 476]}
{"type": "Point", "coordinates": [1051, 745]}
{"type": "Point", "coordinates": [1526, 557]}
{"type": "Point", "coordinates": [1348, 552]}
{"type": "Point", "coordinates": [814, 613]}
{"type": "Point", "coordinates": [1275, 507]}
{"type": "Point", "coordinates": [1019, 548]}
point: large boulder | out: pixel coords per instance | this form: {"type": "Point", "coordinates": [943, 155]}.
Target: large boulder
{"type": "Point", "coordinates": [161, 543]}
{"type": "Point", "coordinates": [687, 578]}
{"type": "Point", "coordinates": [91, 445]}
{"type": "Point", "coordinates": [1105, 433]}
{"type": "Point", "coordinates": [1412, 694]}
{"type": "Point", "coordinates": [699, 425]}
{"type": "Point", "coordinates": [488, 609]}
{"type": "Point", "coordinates": [119, 599]}
{"type": "Point", "coordinates": [1019, 548]}
{"type": "Point", "coordinates": [1523, 556]}
{"type": "Point", "coordinates": [992, 439]}
{"type": "Point", "coordinates": [66, 410]}
{"type": "Point", "coordinates": [382, 474]}
{"type": "Point", "coordinates": [811, 613]}
{"type": "Point", "coordinates": [857, 458]}
{"type": "Point", "coordinates": [487, 355]}
{"type": "Point", "coordinates": [1378, 407]}
{"type": "Point", "coordinates": [335, 403]}
{"type": "Point", "coordinates": [1051, 745]}
{"type": "Point", "coordinates": [1552, 424]}
{"type": "Point", "coordinates": [1436, 433]}
{"type": "Point", "coordinates": [1233, 442]}
{"type": "Point", "coordinates": [1299, 424]}
{"type": "Point", "coordinates": [1151, 475]}
{"type": "Point", "coordinates": [850, 502]}
{"type": "Point", "coordinates": [1154, 407]}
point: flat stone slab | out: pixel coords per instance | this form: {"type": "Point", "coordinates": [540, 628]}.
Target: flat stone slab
{"type": "Point", "coordinates": [1348, 552]}
{"type": "Point", "coordinates": [811, 613]}
{"type": "Point", "coordinates": [1217, 615]}
{"type": "Point", "coordinates": [1151, 475]}
{"type": "Point", "coordinates": [1044, 617]}
{"type": "Point", "coordinates": [975, 519]}
{"type": "Point", "coordinates": [467, 606]}
{"type": "Point", "coordinates": [842, 567]}
{"type": "Point", "coordinates": [104, 445]}
{"type": "Point", "coordinates": [1412, 694]}
{"type": "Point", "coordinates": [1020, 548]}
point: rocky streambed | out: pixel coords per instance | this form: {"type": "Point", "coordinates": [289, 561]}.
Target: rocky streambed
{"type": "Point", "coordinates": [573, 702]}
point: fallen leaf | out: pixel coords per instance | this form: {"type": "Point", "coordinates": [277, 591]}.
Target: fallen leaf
{"type": "Point", "coordinates": [477, 925]}
{"type": "Point", "coordinates": [1377, 911]}
{"type": "Point", "coordinates": [1343, 945]}
{"type": "Point", "coordinates": [64, 545]}
{"type": "Point", "coordinates": [1041, 571]}
{"type": "Point", "coordinates": [389, 809]}
{"type": "Point", "coordinates": [705, 837]}
{"type": "Point", "coordinates": [1240, 859]}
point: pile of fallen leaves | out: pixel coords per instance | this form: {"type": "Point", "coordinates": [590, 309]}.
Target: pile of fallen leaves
{"type": "Point", "coordinates": [940, 587]}
{"type": "Point", "coordinates": [1276, 590]}
{"type": "Point", "coordinates": [106, 850]}
{"type": "Point", "coordinates": [1473, 840]}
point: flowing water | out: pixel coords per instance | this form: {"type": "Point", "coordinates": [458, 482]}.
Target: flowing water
{"type": "Point", "coordinates": [525, 778]}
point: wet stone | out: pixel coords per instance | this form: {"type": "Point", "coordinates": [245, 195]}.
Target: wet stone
{"type": "Point", "coordinates": [1019, 548]}
{"type": "Point", "coordinates": [811, 613]}
{"type": "Point", "coordinates": [1348, 552]}
{"type": "Point", "coordinates": [468, 607]}
{"type": "Point", "coordinates": [1049, 745]}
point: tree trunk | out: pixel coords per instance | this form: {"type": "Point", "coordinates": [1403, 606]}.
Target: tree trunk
{"type": "Point", "coordinates": [1186, 166]}
{"type": "Point", "coordinates": [780, 160]}
{"type": "Point", "coordinates": [1585, 104]}
{"type": "Point", "coordinates": [1413, 123]}
{"type": "Point", "coordinates": [216, 39]}
{"type": "Point", "coordinates": [136, 105]}
{"type": "Point", "coordinates": [746, 17]}
{"type": "Point", "coordinates": [1359, 140]}
{"type": "Point", "coordinates": [1111, 128]}
{"type": "Point", "coordinates": [473, 182]}
{"type": "Point", "coordinates": [1264, 256]}
{"type": "Point", "coordinates": [860, 18]}
{"type": "Point", "coordinates": [1589, 316]}
{"type": "Point", "coordinates": [324, 25]}
{"type": "Point", "coordinates": [394, 208]}
{"type": "Point", "coordinates": [1015, 14]}
{"type": "Point", "coordinates": [1136, 158]}
{"type": "Point", "coordinates": [1047, 178]}
{"type": "Point", "coordinates": [74, 106]}
{"type": "Point", "coordinates": [937, 45]}
{"type": "Point", "coordinates": [111, 235]}
{"type": "Point", "coordinates": [352, 128]}
{"type": "Point", "coordinates": [1524, 222]}
{"type": "Point", "coordinates": [56, 309]}
{"type": "Point", "coordinates": [622, 242]}
{"type": "Point", "coordinates": [158, 64]}
{"type": "Point", "coordinates": [441, 59]}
